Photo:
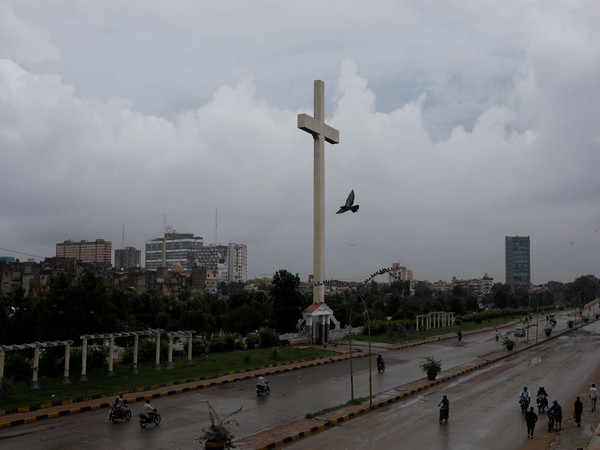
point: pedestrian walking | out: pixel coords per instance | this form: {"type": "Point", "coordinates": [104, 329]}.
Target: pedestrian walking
{"type": "Point", "coordinates": [593, 396]}
{"type": "Point", "coordinates": [530, 418]}
{"type": "Point", "coordinates": [557, 409]}
{"type": "Point", "coordinates": [578, 409]}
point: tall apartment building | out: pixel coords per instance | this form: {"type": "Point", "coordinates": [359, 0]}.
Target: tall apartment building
{"type": "Point", "coordinates": [237, 263]}
{"type": "Point", "coordinates": [174, 247]}
{"type": "Point", "coordinates": [518, 267]}
{"type": "Point", "coordinates": [127, 257]}
{"type": "Point", "coordinates": [230, 260]}
{"type": "Point", "coordinates": [99, 251]}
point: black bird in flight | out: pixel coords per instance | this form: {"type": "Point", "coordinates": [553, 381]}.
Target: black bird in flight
{"type": "Point", "coordinates": [349, 206]}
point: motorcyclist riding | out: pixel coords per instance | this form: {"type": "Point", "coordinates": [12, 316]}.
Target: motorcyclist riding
{"type": "Point", "coordinates": [444, 408]}
{"type": "Point", "coordinates": [118, 402]}
{"type": "Point", "coordinates": [261, 384]}
{"type": "Point", "coordinates": [380, 363]}
{"type": "Point", "coordinates": [149, 409]}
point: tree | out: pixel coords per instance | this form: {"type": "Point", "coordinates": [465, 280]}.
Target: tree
{"type": "Point", "coordinates": [288, 301]}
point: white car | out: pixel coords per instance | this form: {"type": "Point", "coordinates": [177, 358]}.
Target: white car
{"type": "Point", "coordinates": [519, 332]}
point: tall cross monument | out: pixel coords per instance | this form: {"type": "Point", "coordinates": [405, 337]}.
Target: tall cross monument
{"type": "Point", "coordinates": [321, 132]}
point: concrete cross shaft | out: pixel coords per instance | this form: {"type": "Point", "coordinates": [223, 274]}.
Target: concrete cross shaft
{"type": "Point", "coordinates": [321, 132]}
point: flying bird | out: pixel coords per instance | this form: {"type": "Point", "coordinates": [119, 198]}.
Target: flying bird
{"type": "Point", "coordinates": [349, 206]}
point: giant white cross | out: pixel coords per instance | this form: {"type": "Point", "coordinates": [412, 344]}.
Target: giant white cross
{"type": "Point", "coordinates": [321, 132]}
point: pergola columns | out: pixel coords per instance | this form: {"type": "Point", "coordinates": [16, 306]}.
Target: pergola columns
{"type": "Point", "coordinates": [436, 319]}
{"type": "Point", "coordinates": [37, 346]}
{"type": "Point", "coordinates": [86, 338]}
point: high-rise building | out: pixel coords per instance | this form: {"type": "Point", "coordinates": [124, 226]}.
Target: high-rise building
{"type": "Point", "coordinates": [99, 251]}
{"type": "Point", "coordinates": [180, 248]}
{"type": "Point", "coordinates": [230, 260]}
{"type": "Point", "coordinates": [237, 263]}
{"type": "Point", "coordinates": [518, 267]}
{"type": "Point", "coordinates": [127, 258]}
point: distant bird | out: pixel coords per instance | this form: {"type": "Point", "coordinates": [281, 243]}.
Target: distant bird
{"type": "Point", "coordinates": [349, 206]}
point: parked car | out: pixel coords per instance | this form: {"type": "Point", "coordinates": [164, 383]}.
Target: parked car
{"type": "Point", "coordinates": [519, 332]}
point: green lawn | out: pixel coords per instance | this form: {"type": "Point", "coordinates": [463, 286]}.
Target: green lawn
{"type": "Point", "coordinates": [205, 366]}
{"type": "Point", "coordinates": [395, 338]}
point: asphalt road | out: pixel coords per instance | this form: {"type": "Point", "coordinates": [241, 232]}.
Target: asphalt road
{"type": "Point", "coordinates": [293, 394]}
{"type": "Point", "coordinates": [484, 411]}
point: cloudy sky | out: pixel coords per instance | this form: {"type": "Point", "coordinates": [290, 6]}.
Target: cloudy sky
{"type": "Point", "coordinates": [461, 122]}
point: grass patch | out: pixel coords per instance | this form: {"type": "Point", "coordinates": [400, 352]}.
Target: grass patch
{"type": "Point", "coordinates": [394, 338]}
{"type": "Point", "coordinates": [356, 401]}
{"type": "Point", "coordinates": [204, 366]}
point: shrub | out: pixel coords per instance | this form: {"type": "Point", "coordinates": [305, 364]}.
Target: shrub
{"type": "Point", "coordinates": [199, 345]}
{"type": "Point", "coordinates": [147, 349]}
{"type": "Point", "coordinates": [252, 341]}
{"type": "Point", "coordinates": [222, 343]}
{"type": "Point", "coordinates": [239, 344]}
{"type": "Point", "coordinates": [5, 387]}
{"type": "Point", "coordinates": [52, 361]}
{"type": "Point", "coordinates": [17, 366]}
{"type": "Point", "coordinates": [268, 337]}
{"type": "Point", "coordinates": [275, 352]}
{"type": "Point", "coordinates": [96, 356]}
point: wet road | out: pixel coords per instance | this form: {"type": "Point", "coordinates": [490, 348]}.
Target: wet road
{"type": "Point", "coordinates": [484, 412]}
{"type": "Point", "coordinates": [293, 394]}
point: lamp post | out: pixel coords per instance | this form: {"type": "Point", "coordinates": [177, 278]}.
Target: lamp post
{"type": "Point", "coordinates": [362, 299]}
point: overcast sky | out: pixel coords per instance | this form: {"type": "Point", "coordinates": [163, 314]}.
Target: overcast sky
{"type": "Point", "coordinates": [461, 122]}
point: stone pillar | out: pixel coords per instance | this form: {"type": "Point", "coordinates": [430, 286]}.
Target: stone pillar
{"type": "Point", "coordinates": [157, 358]}
{"type": "Point", "coordinates": [189, 361]}
{"type": "Point", "coordinates": [170, 354]}
{"type": "Point", "coordinates": [136, 340]}
{"type": "Point", "coordinates": [111, 355]}
{"type": "Point", "coordinates": [83, 360]}
{"type": "Point", "coordinates": [66, 378]}
{"type": "Point", "coordinates": [36, 364]}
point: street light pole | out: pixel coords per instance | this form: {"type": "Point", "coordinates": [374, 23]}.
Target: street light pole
{"type": "Point", "coordinates": [369, 339]}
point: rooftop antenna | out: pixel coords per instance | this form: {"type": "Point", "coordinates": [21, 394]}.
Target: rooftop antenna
{"type": "Point", "coordinates": [123, 238]}
{"type": "Point", "coordinates": [216, 240]}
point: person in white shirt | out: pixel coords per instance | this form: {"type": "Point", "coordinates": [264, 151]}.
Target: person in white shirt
{"type": "Point", "coordinates": [593, 396]}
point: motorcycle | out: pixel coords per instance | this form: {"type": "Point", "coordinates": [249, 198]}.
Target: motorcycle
{"type": "Point", "coordinates": [542, 403]}
{"type": "Point", "coordinates": [523, 403]}
{"type": "Point", "coordinates": [263, 389]}
{"type": "Point", "coordinates": [380, 367]}
{"type": "Point", "coordinates": [117, 414]}
{"type": "Point", "coordinates": [443, 413]}
{"type": "Point", "coordinates": [151, 417]}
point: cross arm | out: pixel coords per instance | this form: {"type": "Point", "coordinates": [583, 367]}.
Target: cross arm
{"type": "Point", "coordinates": [317, 128]}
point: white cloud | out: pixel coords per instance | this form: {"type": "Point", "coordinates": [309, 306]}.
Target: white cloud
{"type": "Point", "coordinates": [456, 128]}
{"type": "Point", "coordinates": [21, 41]}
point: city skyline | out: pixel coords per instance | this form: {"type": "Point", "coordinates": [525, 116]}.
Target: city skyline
{"type": "Point", "coordinates": [459, 125]}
